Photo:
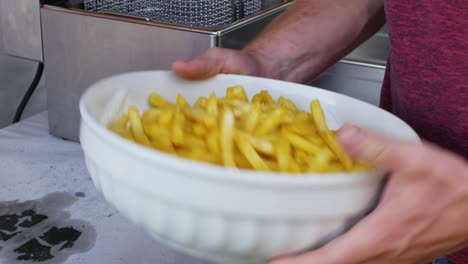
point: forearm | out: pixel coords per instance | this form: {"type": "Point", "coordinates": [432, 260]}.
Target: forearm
{"type": "Point", "coordinates": [314, 34]}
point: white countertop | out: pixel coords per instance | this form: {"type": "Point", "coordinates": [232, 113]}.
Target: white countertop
{"type": "Point", "coordinates": [34, 164]}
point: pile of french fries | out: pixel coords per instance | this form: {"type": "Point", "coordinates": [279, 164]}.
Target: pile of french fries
{"type": "Point", "coordinates": [232, 131]}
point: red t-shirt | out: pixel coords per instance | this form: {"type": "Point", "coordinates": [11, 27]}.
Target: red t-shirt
{"type": "Point", "coordinates": [427, 76]}
{"type": "Point", "coordinates": [427, 73]}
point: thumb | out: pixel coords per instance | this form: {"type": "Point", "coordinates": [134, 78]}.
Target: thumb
{"type": "Point", "coordinates": [214, 61]}
{"type": "Point", "coordinates": [378, 150]}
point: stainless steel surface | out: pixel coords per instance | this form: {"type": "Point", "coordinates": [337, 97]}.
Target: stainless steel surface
{"type": "Point", "coordinates": [363, 63]}
{"type": "Point", "coordinates": [237, 36]}
{"type": "Point", "coordinates": [134, 20]}
{"type": "Point", "coordinates": [184, 12]}
{"type": "Point", "coordinates": [360, 82]}
{"type": "Point", "coordinates": [80, 50]}
{"type": "Point", "coordinates": [372, 53]}
{"type": "Point", "coordinates": [15, 75]}
{"type": "Point", "coordinates": [20, 21]}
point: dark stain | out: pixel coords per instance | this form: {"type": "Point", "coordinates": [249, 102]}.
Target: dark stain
{"type": "Point", "coordinates": [37, 251]}
{"type": "Point", "coordinates": [34, 218]}
{"type": "Point", "coordinates": [8, 222]}
{"type": "Point", "coordinates": [41, 230]}
{"type": "Point", "coordinates": [80, 194]}
{"type": "Point", "coordinates": [11, 222]}
{"type": "Point", "coordinates": [34, 251]}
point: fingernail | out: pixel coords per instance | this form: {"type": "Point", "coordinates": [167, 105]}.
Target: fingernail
{"type": "Point", "coordinates": [350, 135]}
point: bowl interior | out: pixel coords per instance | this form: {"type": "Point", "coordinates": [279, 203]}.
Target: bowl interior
{"type": "Point", "coordinates": [339, 109]}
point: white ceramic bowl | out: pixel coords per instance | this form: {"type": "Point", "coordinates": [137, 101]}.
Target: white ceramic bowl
{"type": "Point", "coordinates": [216, 212]}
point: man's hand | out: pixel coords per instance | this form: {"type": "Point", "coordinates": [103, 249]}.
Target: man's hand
{"type": "Point", "coordinates": [218, 60]}
{"type": "Point", "coordinates": [423, 213]}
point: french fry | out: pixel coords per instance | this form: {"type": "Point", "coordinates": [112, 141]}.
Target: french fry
{"type": "Point", "coordinates": [320, 162]}
{"type": "Point", "coordinates": [125, 133]}
{"type": "Point", "coordinates": [212, 105]}
{"type": "Point", "coordinates": [261, 145]}
{"type": "Point", "coordinates": [334, 167]}
{"type": "Point", "coordinates": [197, 154]}
{"type": "Point", "coordinates": [227, 138]}
{"type": "Point", "coordinates": [165, 117]}
{"type": "Point", "coordinates": [294, 166]}
{"type": "Point", "coordinates": [318, 117]}
{"type": "Point", "coordinates": [163, 144]}
{"type": "Point", "coordinates": [252, 119]}
{"type": "Point", "coordinates": [151, 115]}
{"type": "Point", "coordinates": [238, 107]}
{"type": "Point", "coordinates": [287, 103]}
{"type": "Point", "coordinates": [344, 158]}
{"type": "Point", "coordinates": [177, 129]}
{"type": "Point", "coordinates": [236, 92]}
{"type": "Point", "coordinates": [249, 152]}
{"type": "Point", "coordinates": [137, 127]}
{"type": "Point", "coordinates": [120, 127]}
{"type": "Point", "coordinates": [181, 101]}
{"type": "Point", "coordinates": [201, 102]}
{"type": "Point", "coordinates": [194, 142]}
{"type": "Point", "coordinates": [201, 116]}
{"type": "Point", "coordinates": [283, 154]}
{"type": "Point", "coordinates": [155, 100]}
{"type": "Point", "coordinates": [301, 131]}
{"type": "Point", "coordinates": [328, 136]}
{"type": "Point", "coordinates": [212, 141]}
{"type": "Point", "coordinates": [240, 160]}
{"type": "Point", "coordinates": [302, 116]}
{"type": "Point", "coordinates": [122, 122]}
{"type": "Point", "coordinates": [263, 98]}
{"type": "Point", "coordinates": [199, 130]}
{"type": "Point", "coordinates": [272, 122]}
{"type": "Point", "coordinates": [272, 164]}
{"type": "Point", "coordinates": [301, 143]}
{"type": "Point", "coordinates": [301, 157]}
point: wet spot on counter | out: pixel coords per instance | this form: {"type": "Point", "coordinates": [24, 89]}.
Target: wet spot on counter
{"type": "Point", "coordinates": [80, 194]}
{"type": "Point", "coordinates": [41, 231]}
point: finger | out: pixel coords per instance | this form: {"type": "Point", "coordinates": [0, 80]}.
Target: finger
{"type": "Point", "coordinates": [193, 70]}
{"type": "Point", "coordinates": [214, 61]}
{"type": "Point", "coordinates": [354, 247]}
{"type": "Point", "coordinates": [375, 149]}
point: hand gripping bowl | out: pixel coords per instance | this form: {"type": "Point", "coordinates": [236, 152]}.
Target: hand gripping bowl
{"type": "Point", "coordinates": [220, 213]}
